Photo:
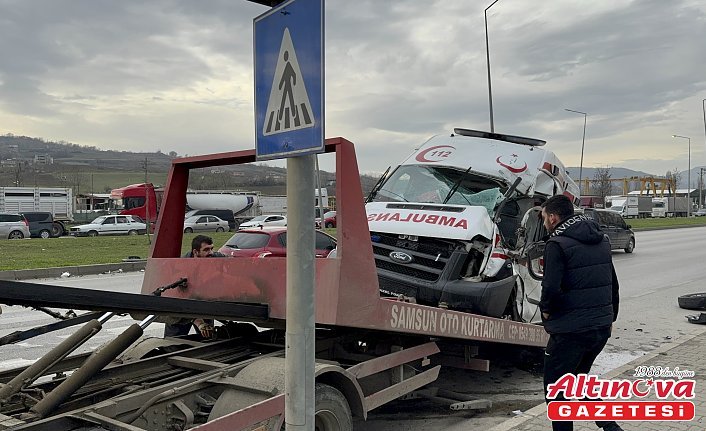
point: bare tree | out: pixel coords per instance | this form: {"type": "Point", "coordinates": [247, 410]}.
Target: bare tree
{"type": "Point", "coordinates": [19, 174]}
{"type": "Point", "coordinates": [76, 178]}
{"type": "Point", "coordinates": [602, 186]}
{"type": "Point", "coordinates": [674, 176]}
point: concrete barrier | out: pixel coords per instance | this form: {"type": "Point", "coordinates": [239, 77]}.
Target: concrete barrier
{"type": "Point", "coordinates": [27, 274]}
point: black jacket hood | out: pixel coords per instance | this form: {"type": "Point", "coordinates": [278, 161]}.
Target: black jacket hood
{"type": "Point", "coordinates": [581, 228]}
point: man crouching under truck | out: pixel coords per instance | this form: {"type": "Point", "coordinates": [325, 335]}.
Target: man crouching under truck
{"type": "Point", "coordinates": [201, 246]}
{"type": "Point", "coordinates": [579, 295]}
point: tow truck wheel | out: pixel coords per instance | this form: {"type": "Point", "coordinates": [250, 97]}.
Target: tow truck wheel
{"type": "Point", "coordinates": [332, 410]}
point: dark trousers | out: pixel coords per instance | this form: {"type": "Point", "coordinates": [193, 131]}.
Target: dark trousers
{"type": "Point", "coordinates": [572, 353]}
{"type": "Point", "coordinates": [178, 329]}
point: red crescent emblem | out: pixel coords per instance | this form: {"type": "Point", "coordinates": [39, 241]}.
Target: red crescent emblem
{"type": "Point", "coordinates": [438, 152]}
{"type": "Point", "coordinates": [511, 168]}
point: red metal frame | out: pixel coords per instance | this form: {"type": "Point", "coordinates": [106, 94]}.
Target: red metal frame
{"type": "Point", "coordinates": [347, 290]}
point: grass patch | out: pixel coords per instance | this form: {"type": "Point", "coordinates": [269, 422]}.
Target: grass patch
{"type": "Point", "coordinates": [70, 251]}
{"type": "Point", "coordinates": [662, 223]}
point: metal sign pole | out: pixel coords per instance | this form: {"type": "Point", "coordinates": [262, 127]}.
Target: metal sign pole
{"type": "Point", "coordinates": [289, 75]}
{"type": "Point", "coordinates": [300, 336]}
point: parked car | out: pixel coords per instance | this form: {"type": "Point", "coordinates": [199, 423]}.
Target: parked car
{"type": "Point", "coordinates": [226, 215]}
{"type": "Point", "coordinates": [264, 221]}
{"type": "Point", "coordinates": [43, 225]}
{"type": "Point", "coordinates": [329, 220]}
{"type": "Point", "coordinates": [700, 212]}
{"type": "Point", "coordinates": [111, 225]}
{"type": "Point", "coordinates": [612, 223]}
{"type": "Point", "coordinates": [272, 241]}
{"type": "Point", "coordinates": [205, 223]}
{"type": "Point", "coordinates": [13, 226]}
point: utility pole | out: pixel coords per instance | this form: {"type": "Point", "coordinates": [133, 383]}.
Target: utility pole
{"type": "Point", "coordinates": [145, 165]}
{"type": "Point", "coordinates": [701, 187]}
{"type": "Point", "coordinates": [487, 59]}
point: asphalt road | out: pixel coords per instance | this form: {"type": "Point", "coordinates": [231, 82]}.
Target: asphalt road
{"type": "Point", "coordinates": [665, 264]}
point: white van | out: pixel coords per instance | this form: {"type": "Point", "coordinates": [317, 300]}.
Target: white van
{"type": "Point", "coordinates": [456, 223]}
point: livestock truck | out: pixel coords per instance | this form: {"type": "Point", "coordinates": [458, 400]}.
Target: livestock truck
{"type": "Point", "coordinates": [58, 201]}
{"type": "Point", "coordinates": [370, 348]}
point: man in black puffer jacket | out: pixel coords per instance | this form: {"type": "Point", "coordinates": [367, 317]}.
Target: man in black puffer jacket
{"type": "Point", "coordinates": [579, 295]}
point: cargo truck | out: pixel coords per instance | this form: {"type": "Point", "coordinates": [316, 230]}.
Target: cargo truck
{"type": "Point", "coordinates": [670, 207]}
{"type": "Point", "coordinates": [631, 206]}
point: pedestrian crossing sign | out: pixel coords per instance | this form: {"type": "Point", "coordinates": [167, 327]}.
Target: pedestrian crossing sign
{"type": "Point", "coordinates": [288, 107]}
{"type": "Point", "coordinates": [289, 80]}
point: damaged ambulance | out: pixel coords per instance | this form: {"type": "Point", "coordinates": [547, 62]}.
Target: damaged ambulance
{"type": "Point", "coordinates": [457, 224]}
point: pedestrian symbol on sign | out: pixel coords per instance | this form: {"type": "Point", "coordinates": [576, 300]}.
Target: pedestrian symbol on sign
{"type": "Point", "coordinates": [288, 107]}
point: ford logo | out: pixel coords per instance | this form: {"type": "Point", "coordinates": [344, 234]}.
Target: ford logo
{"type": "Point", "coordinates": [400, 257]}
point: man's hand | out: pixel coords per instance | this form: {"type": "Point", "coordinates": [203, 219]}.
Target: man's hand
{"type": "Point", "coordinates": [546, 316]}
{"type": "Point", "coordinates": [205, 328]}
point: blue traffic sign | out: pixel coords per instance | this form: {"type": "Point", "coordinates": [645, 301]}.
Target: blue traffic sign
{"type": "Point", "coordinates": [289, 80]}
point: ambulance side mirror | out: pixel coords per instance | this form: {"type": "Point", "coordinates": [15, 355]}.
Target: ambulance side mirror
{"type": "Point", "coordinates": [535, 260]}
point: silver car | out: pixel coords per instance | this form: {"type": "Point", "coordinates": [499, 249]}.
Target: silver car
{"type": "Point", "coordinates": [111, 225]}
{"type": "Point", "coordinates": [13, 226]}
{"type": "Point", "coordinates": [202, 223]}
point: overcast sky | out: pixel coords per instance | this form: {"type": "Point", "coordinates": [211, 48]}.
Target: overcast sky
{"type": "Point", "coordinates": [178, 75]}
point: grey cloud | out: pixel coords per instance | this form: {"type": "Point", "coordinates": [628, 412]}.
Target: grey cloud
{"type": "Point", "coordinates": [397, 71]}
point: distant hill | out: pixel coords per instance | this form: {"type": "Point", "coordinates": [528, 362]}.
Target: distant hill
{"type": "Point", "coordinates": [65, 153]}
{"type": "Point", "coordinates": [616, 173]}
{"type": "Point", "coordinates": [87, 168]}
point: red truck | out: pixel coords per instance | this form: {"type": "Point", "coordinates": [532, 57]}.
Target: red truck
{"type": "Point", "coordinates": [142, 200]}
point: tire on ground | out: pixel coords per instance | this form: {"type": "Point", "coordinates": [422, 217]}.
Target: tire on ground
{"type": "Point", "coordinates": [693, 301]}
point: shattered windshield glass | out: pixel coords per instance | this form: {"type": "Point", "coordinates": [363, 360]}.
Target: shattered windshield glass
{"type": "Point", "coordinates": [432, 184]}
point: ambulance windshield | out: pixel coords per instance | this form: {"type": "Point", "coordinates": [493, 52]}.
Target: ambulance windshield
{"type": "Point", "coordinates": [431, 184]}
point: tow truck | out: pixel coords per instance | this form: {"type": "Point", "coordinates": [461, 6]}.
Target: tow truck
{"type": "Point", "coordinates": [370, 349]}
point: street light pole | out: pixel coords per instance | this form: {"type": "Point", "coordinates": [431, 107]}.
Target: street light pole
{"type": "Point", "coordinates": [701, 186]}
{"type": "Point", "coordinates": [583, 142]}
{"type": "Point", "coordinates": [487, 58]}
{"type": "Point", "coordinates": [688, 175]}
{"type": "Point", "coordinates": [703, 106]}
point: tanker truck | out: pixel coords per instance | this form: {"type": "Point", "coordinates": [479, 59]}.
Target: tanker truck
{"type": "Point", "coordinates": [144, 200]}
